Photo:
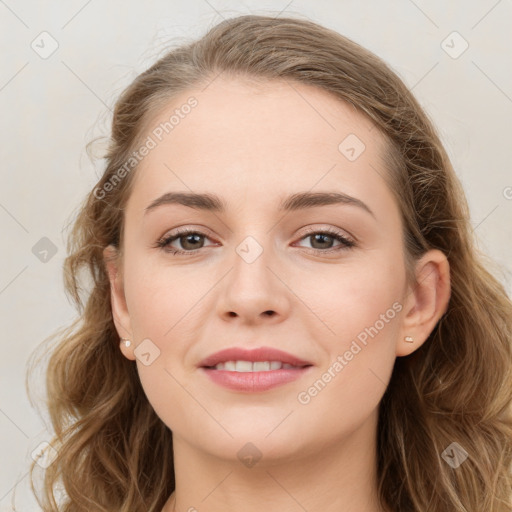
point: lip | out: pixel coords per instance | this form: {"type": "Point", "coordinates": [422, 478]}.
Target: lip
{"type": "Point", "coordinates": [257, 354]}
{"type": "Point", "coordinates": [253, 381]}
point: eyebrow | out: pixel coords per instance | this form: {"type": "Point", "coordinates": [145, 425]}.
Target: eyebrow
{"type": "Point", "coordinates": [294, 202]}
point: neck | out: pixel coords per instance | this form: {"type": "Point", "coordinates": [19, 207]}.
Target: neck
{"type": "Point", "coordinates": [341, 476]}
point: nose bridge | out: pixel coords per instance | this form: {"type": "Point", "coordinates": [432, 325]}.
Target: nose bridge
{"type": "Point", "coordinates": [254, 256]}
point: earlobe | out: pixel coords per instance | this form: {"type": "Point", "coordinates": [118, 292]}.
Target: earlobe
{"type": "Point", "coordinates": [118, 302]}
{"type": "Point", "coordinates": [126, 347]}
{"type": "Point", "coordinates": [426, 302]}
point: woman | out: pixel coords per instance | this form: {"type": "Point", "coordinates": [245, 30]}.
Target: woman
{"type": "Point", "coordinates": [288, 311]}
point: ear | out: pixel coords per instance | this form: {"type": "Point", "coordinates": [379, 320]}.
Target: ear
{"type": "Point", "coordinates": [426, 302]}
{"type": "Point", "coordinates": [120, 312]}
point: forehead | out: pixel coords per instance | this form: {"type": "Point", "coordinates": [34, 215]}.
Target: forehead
{"type": "Point", "coordinates": [249, 139]}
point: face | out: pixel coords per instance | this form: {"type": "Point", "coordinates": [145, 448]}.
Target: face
{"type": "Point", "coordinates": [323, 282]}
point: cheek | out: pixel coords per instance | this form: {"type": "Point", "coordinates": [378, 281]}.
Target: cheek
{"type": "Point", "coordinates": [161, 300]}
{"type": "Point", "coordinates": [348, 386]}
{"type": "Point", "coordinates": [355, 295]}
{"type": "Point", "coordinates": [361, 305]}
{"type": "Point", "coordinates": [165, 307]}
{"type": "Point", "coordinates": [161, 311]}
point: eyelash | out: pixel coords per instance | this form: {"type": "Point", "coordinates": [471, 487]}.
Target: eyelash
{"type": "Point", "coordinates": [164, 242]}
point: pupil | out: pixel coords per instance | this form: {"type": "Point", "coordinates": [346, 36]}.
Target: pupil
{"type": "Point", "coordinates": [188, 237]}
{"type": "Point", "coordinates": [322, 236]}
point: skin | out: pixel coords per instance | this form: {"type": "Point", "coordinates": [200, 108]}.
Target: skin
{"type": "Point", "coordinates": [252, 144]}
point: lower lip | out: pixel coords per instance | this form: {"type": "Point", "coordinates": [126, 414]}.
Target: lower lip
{"type": "Point", "coordinates": [254, 381]}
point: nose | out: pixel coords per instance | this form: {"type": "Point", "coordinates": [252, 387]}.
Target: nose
{"type": "Point", "coordinates": [254, 291]}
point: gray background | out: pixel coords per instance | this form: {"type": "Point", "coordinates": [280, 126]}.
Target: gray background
{"type": "Point", "coordinates": [52, 105]}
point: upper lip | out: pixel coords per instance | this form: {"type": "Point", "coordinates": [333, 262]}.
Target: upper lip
{"type": "Point", "coordinates": [258, 354]}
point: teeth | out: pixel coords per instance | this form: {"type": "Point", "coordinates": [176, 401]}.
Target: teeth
{"type": "Point", "coordinates": [243, 366]}
{"type": "Point", "coordinates": [228, 365]}
{"type": "Point", "coordinates": [249, 366]}
{"type": "Point", "coordinates": [260, 366]}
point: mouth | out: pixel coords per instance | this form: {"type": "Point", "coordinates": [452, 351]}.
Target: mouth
{"type": "Point", "coordinates": [253, 370]}
{"type": "Point", "coordinates": [253, 366]}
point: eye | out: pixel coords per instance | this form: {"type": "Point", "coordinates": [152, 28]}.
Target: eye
{"type": "Point", "coordinates": [323, 239]}
{"type": "Point", "coordinates": [189, 239]}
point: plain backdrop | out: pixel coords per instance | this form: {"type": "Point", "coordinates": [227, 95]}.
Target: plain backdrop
{"type": "Point", "coordinates": [64, 64]}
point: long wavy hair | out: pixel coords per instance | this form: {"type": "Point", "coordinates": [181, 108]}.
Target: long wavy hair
{"type": "Point", "coordinates": [113, 453]}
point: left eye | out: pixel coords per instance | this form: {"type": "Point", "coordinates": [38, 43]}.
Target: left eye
{"type": "Point", "coordinates": [190, 241]}
{"type": "Point", "coordinates": [328, 237]}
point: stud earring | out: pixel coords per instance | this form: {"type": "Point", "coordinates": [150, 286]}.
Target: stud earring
{"type": "Point", "coordinates": [127, 342]}
{"type": "Point", "coordinates": [409, 339]}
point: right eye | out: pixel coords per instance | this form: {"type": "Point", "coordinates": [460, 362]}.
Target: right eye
{"type": "Point", "coordinates": [185, 237]}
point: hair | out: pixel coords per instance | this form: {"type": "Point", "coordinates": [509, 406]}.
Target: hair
{"type": "Point", "coordinates": [114, 453]}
